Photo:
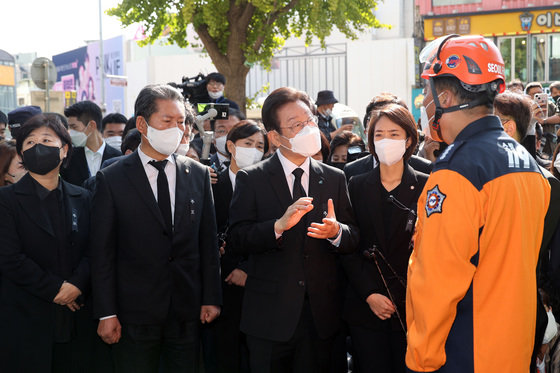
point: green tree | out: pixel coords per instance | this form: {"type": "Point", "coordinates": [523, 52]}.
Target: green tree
{"type": "Point", "coordinates": [237, 34]}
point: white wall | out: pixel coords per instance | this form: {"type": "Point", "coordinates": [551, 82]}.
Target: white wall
{"type": "Point", "coordinates": [377, 66]}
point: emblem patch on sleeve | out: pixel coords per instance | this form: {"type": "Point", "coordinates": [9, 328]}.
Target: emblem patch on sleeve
{"type": "Point", "coordinates": [434, 202]}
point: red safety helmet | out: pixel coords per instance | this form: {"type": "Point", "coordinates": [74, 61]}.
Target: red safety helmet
{"type": "Point", "coordinates": [475, 61]}
{"type": "Point", "coordinates": [472, 59]}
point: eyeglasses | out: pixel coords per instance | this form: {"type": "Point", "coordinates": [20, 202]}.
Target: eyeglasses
{"type": "Point", "coordinates": [297, 126]}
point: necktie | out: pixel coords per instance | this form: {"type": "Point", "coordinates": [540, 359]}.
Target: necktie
{"type": "Point", "coordinates": [163, 199]}
{"type": "Point", "coordinates": [298, 188]}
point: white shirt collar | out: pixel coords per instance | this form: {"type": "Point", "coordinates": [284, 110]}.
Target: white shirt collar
{"type": "Point", "coordinates": [232, 178]}
{"type": "Point", "coordinates": [146, 159]}
{"type": "Point", "coordinates": [99, 151]}
{"type": "Point", "coordinates": [289, 166]}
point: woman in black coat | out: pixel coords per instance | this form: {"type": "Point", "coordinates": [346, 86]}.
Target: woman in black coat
{"type": "Point", "coordinates": [43, 264]}
{"type": "Point", "coordinates": [225, 349]}
{"type": "Point", "coordinates": [384, 202]}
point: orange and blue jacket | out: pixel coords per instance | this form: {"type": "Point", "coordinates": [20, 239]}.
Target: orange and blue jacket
{"type": "Point", "coordinates": [471, 295]}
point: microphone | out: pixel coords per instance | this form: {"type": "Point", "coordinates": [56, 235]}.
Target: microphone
{"type": "Point", "coordinates": [411, 219]}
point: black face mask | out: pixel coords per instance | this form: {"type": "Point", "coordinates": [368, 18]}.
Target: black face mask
{"type": "Point", "coordinates": [41, 159]}
{"type": "Point", "coordinates": [339, 165]}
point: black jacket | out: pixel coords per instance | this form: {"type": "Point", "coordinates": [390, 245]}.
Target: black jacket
{"type": "Point", "coordinates": [364, 278]}
{"type": "Point", "coordinates": [365, 164]}
{"type": "Point", "coordinates": [139, 270]}
{"type": "Point", "coordinates": [30, 257]}
{"type": "Point", "coordinates": [77, 170]}
{"type": "Point", "coordinates": [281, 272]}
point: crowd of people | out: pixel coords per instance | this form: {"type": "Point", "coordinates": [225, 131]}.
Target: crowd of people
{"type": "Point", "coordinates": [296, 246]}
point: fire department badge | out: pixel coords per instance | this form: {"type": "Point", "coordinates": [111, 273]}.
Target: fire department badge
{"type": "Point", "coordinates": [434, 202]}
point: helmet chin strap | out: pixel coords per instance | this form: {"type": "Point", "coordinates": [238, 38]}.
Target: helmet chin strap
{"type": "Point", "coordinates": [440, 110]}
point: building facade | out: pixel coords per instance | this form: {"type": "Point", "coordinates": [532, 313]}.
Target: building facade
{"type": "Point", "coordinates": [7, 82]}
{"type": "Point", "coordinates": [527, 32]}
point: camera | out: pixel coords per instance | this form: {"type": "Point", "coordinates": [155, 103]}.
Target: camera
{"type": "Point", "coordinates": [193, 89]}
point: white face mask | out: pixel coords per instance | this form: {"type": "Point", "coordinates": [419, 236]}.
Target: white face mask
{"type": "Point", "coordinates": [425, 121]}
{"type": "Point", "coordinates": [79, 139]}
{"type": "Point", "coordinates": [245, 157]}
{"type": "Point", "coordinates": [215, 95]}
{"type": "Point", "coordinates": [390, 151]}
{"type": "Point", "coordinates": [114, 141]}
{"type": "Point", "coordinates": [164, 141]}
{"type": "Point", "coordinates": [307, 142]}
{"type": "Point", "coordinates": [221, 144]}
{"type": "Point", "coordinates": [551, 328]}
{"type": "Point", "coordinates": [183, 149]}
{"type": "Point", "coordinates": [328, 112]}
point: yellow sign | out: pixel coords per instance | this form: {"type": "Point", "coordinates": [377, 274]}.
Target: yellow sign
{"type": "Point", "coordinates": [495, 24]}
{"type": "Point", "coordinates": [7, 75]}
{"type": "Point", "coordinates": [69, 98]}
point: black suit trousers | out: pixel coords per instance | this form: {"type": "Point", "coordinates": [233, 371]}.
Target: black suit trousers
{"type": "Point", "coordinates": [172, 347]}
{"type": "Point", "coordinates": [305, 352]}
{"type": "Point", "coordinates": [378, 350]}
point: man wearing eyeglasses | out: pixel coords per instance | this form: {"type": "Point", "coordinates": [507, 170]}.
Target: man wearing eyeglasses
{"type": "Point", "coordinates": [292, 216]}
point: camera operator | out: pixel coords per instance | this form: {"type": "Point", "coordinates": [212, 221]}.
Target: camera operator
{"type": "Point", "coordinates": [215, 84]}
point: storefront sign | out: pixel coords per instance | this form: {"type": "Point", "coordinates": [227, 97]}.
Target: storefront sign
{"type": "Point", "coordinates": [494, 24]}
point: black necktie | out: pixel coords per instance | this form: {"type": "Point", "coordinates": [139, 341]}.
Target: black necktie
{"type": "Point", "coordinates": [163, 199]}
{"type": "Point", "coordinates": [298, 188]}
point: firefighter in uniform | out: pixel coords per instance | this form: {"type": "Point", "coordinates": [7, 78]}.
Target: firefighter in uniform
{"type": "Point", "coordinates": [471, 296]}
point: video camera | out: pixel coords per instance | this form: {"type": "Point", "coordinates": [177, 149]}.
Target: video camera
{"type": "Point", "coordinates": [193, 89]}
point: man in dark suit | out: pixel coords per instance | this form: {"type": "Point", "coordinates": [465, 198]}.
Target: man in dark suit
{"type": "Point", "coordinates": [292, 216]}
{"type": "Point", "coordinates": [90, 150]}
{"type": "Point", "coordinates": [154, 250]}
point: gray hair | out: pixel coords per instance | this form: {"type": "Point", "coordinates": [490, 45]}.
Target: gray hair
{"type": "Point", "coordinates": [145, 104]}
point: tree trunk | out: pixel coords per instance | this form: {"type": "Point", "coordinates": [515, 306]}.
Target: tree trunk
{"type": "Point", "coordinates": [235, 86]}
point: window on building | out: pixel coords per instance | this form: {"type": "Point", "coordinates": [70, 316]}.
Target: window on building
{"type": "Point", "coordinates": [554, 58]}
{"type": "Point", "coordinates": [514, 53]}
{"type": "Point", "coordinates": [539, 58]}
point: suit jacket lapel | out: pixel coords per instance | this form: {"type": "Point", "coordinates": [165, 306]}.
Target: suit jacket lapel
{"type": "Point", "coordinates": [316, 190]}
{"type": "Point", "coordinates": [406, 195]}
{"type": "Point", "coordinates": [81, 163]}
{"type": "Point", "coordinates": [30, 203]}
{"type": "Point", "coordinates": [70, 203]}
{"type": "Point", "coordinates": [278, 181]}
{"type": "Point", "coordinates": [182, 189]}
{"type": "Point", "coordinates": [135, 172]}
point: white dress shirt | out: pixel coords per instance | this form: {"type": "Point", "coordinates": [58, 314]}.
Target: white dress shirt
{"type": "Point", "coordinates": [94, 158]}
{"type": "Point", "coordinates": [288, 168]}
{"type": "Point", "coordinates": [232, 177]}
{"type": "Point", "coordinates": [152, 174]}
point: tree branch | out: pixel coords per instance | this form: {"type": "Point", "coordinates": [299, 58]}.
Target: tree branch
{"type": "Point", "coordinates": [211, 46]}
{"type": "Point", "coordinates": [271, 19]}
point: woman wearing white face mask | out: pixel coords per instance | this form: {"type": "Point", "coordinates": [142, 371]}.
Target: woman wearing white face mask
{"type": "Point", "coordinates": [384, 202]}
{"type": "Point", "coordinates": [246, 145]}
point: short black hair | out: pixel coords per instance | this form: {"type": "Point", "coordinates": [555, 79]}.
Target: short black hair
{"type": "Point", "coordinates": [3, 117]}
{"type": "Point", "coordinates": [532, 85]}
{"type": "Point", "coordinates": [62, 119]}
{"type": "Point", "coordinates": [278, 98]}
{"type": "Point", "coordinates": [346, 138]}
{"type": "Point", "coordinates": [379, 101]}
{"type": "Point", "coordinates": [516, 106]}
{"type": "Point", "coordinates": [131, 140]}
{"type": "Point", "coordinates": [85, 111]}
{"type": "Point", "coordinates": [112, 118]}
{"type": "Point", "coordinates": [51, 121]}
{"type": "Point", "coordinates": [217, 77]}
{"type": "Point", "coordinates": [244, 129]}
{"type": "Point", "coordinates": [146, 102]}
{"type": "Point", "coordinates": [130, 125]}
{"type": "Point", "coordinates": [461, 94]}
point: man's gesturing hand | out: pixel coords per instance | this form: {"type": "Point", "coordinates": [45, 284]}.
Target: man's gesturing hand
{"type": "Point", "coordinates": [293, 214]}
{"type": "Point", "coordinates": [329, 228]}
